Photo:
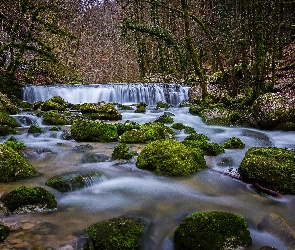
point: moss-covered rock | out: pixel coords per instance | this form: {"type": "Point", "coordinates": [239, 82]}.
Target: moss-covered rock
{"type": "Point", "coordinates": [26, 106]}
{"type": "Point", "coordinates": [147, 132]}
{"type": "Point", "coordinates": [212, 231]}
{"type": "Point", "coordinates": [178, 126]}
{"type": "Point", "coordinates": [13, 166]}
{"type": "Point", "coordinates": [124, 107]}
{"type": "Point", "coordinates": [271, 109]}
{"type": "Point", "coordinates": [165, 119]}
{"type": "Point", "coordinates": [54, 103]}
{"type": "Point", "coordinates": [273, 168]}
{"type": "Point", "coordinates": [140, 108]}
{"type": "Point", "coordinates": [234, 143]}
{"type": "Point", "coordinates": [7, 106]}
{"type": "Point", "coordinates": [163, 105]}
{"type": "Point", "coordinates": [127, 126]}
{"type": "Point", "coordinates": [34, 129]}
{"type": "Point", "coordinates": [6, 119]}
{"type": "Point", "coordinates": [6, 130]}
{"type": "Point", "coordinates": [170, 158]}
{"type": "Point", "coordinates": [115, 234]}
{"type": "Point", "coordinates": [72, 181]}
{"type": "Point", "coordinates": [54, 117]}
{"type": "Point", "coordinates": [14, 144]}
{"type": "Point", "coordinates": [28, 199]}
{"type": "Point", "coordinates": [4, 232]}
{"type": "Point", "coordinates": [122, 152]}
{"type": "Point", "coordinates": [100, 111]}
{"type": "Point", "coordinates": [87, 131]}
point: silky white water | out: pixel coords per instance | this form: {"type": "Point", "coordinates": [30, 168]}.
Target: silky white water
{"type": "Point", "coordinates": [127, 191]}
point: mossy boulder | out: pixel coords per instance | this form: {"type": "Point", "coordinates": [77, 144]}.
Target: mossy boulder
{"type": "Point", "coordinates": [4, 232]}
{"type": "Point", "coordinates": [100, 111]}
{"type": "Point", "coordinates": [72, 181]}
{"type": "Point", "coordinates": [115, 234]}
{"type": "Point", "coordinates": [234, 143]}
{"type": "Point", "coordinates": [141, 108]}
{"type": "Point", "coordinates": [163, 105]}
{"type": "Point", "coordinates": [54, 103]}
{"type": "Point", "coordinates": [178, 126]}
{"type": "Point", "coordinates": [92, 131]}
{"type": "Point", "coordinates": [14, 144]}
{"type": "Point", "coordinates": [7, 106]}
{"type": "Point", "coordinates": [272, 168]}
{"type": "Point", "coordinates": [6, 130]}
{"type": "Point", "coordinates": [272, 110]}
{"type": "Point", "coordinates": [170, 158]}
{"type": "Point", "coordinates": [212, 231]}
{"type": "Point", "coordinates": [147, 132]}
{"type": "Point", "coordinates": [124, 107]}
{"type": "Point", "coordinates": [34, 129]}
{"type": "Point", "coordinates": [29, 199]}
{"type": "Point", "coordinates": [127, 126]}
{"type": "Point", "coordinates": [26, 106]}
{"type": "Point", "coordinates": [13, 166]}
{"type": "Point", "coordinates": [54, 117]}
{"type": "Point", "coordinates": [122, 152]}
{"type": "Point", "coordinates": [165, 119]}
{"type": "Point", "coordinates": [6, 119]}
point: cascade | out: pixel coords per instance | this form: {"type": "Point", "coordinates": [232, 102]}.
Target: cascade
{"type": "Point", "coordinates": [117, 93]}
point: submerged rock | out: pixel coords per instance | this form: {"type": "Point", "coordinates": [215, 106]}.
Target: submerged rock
{"type": "Point", "coordinates": [272, 168]}
{"type": "Point", "coordinates": [170, 158]}
{"type": "Point", "coordinates": [115, 234]}
{"type": "Point", "coordinates": [4, 232]}
{"type": "Point", "coordinates": [13, 166]}
{"type": "Point", "coordinates": [26, 199]}
{"type": "Point", "coordinates": [212, 231]}
{"type": "Point", "coordinates": [91, 158]}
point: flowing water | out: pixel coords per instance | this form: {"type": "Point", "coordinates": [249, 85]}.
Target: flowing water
{"type": "Point", "coordinates": [124, 190]}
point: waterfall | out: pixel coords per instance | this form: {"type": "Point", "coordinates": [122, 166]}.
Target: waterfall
{"type": "Point", "coordinates": [117, 93]}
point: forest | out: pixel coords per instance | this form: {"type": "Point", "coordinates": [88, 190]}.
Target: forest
{"type": "Point", "coordinates": [185, 41]}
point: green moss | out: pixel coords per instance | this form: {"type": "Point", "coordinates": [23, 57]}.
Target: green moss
{"type": "Point", "coordinates": [122, 152]}
{"type": "Point", "coordinates": [56, 128]}
{"type": "Point", "coordinates": [163, 105]}
{"type": "Point", "coordinates": [54, 117]}
{"type": "Point", "coordinates": [100, 111]}
{"type": "Point", "coordinates": [14, 144]}
{"type": "Point", "coordinates": [165, 119]}
{"type": "Point", "coordinates": [115, 234]}
{"type": "Point", "coordinates": [234, 143]}
{"type": "Point", "coordinates": [6, 130]}
{"type": "Point", "coordinates": [24, 197]}
{"type": "Point", "coordinates": [6, 119]}
{"type": "Point", "coordinates": [26, 106]}
{"type": "Point", "coordinates": [147, 132]}
{"type": "Point", "coordinates": [141, 108]}
{"type": "Point", "coordinates": [272, 168]}
{"type": "Point", "coordinates": [189, 130]}
{"type": "Point", "coordinates": [13, 166]}
{"type": "Point", "coordinates": [124, 107]}
{"type": "Point", "coordinates": [35, 129]}
{"type": "Point", "coordinates": [212, 231]}
{"type": "Point", "coordinates": [127, 126]}
{"type": "Point", "coordinates": [171, 158]}
{"type": "Point", "coordinates": [54, 103]}
{"type": "Point", "coordinates": [4, 232]}
{"type": "Point", "coordinates": [85, 130]}
{"type": "Point", "coordinates": [7, 106]}
{"type": "Point", "coordinates": [71, 181]}
{"type": "Point", "coordinates": [178, 126]}
{"type": "Point", "coordinates": [196, 137]}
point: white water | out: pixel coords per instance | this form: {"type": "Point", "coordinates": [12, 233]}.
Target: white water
{"type": "Point", "coordinates": [117, 93]}
{"type": "Point", "coordinates": [128, 191]}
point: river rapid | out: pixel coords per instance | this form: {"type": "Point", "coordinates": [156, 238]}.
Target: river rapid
{"type": "Point", "coordinates": [124, 190]}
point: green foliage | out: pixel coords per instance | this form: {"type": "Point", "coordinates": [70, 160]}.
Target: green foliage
{"type": "Point", "coordinates": [87, 130]}
{"type": "Point", "coordinates": [234, 143]}
{"type": "Point", "coordinates": [26, 197]}
{"type": "Point", "coordinates": [4, 232]}
{"type": "Point", "coordinates": [54, 103]}
{"type": "Point", "coordinates": [272, 168]}
{"type": "Point", "coordinates": [115, 234]}
{"type": "Point", "coordinates": [26, 106]}
{"type": "Point", "coordinates": [6, 105]}
{"type": "Point", "coordinates": [122, 152]}
{"type": "Point", "coordinates": [6, 130]}
{"type": "Point", "coordinates": [13, 166]}
{"type": "Point", "coordinates": [71, 182]}
{"type": "Point", "coordinates": [6, 119]}
{"type": "Point", "coordinates": [165, 119]}
{"type": "Point", "coordinates": [212, 231]}
{"type": "Point", "coordinates": [34, 129]}
{"type": "Point", "coordinates": [147, 132]}
{"type": "Point", "coordinates": [171, 158]}
{"type": "Point", "coordinates": [14, 144]}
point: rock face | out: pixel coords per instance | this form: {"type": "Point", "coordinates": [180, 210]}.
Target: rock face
{"type": "Point", "coordinates": [117, 233]}
{"type": "Point", "coordinates": [272, 110]}
{"type": "Point", "coordinates": [212, 231]}
{"type": "Point", "coordinates": [272, 168]}
{"type": "Point", "coordinates": [170, 158]}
